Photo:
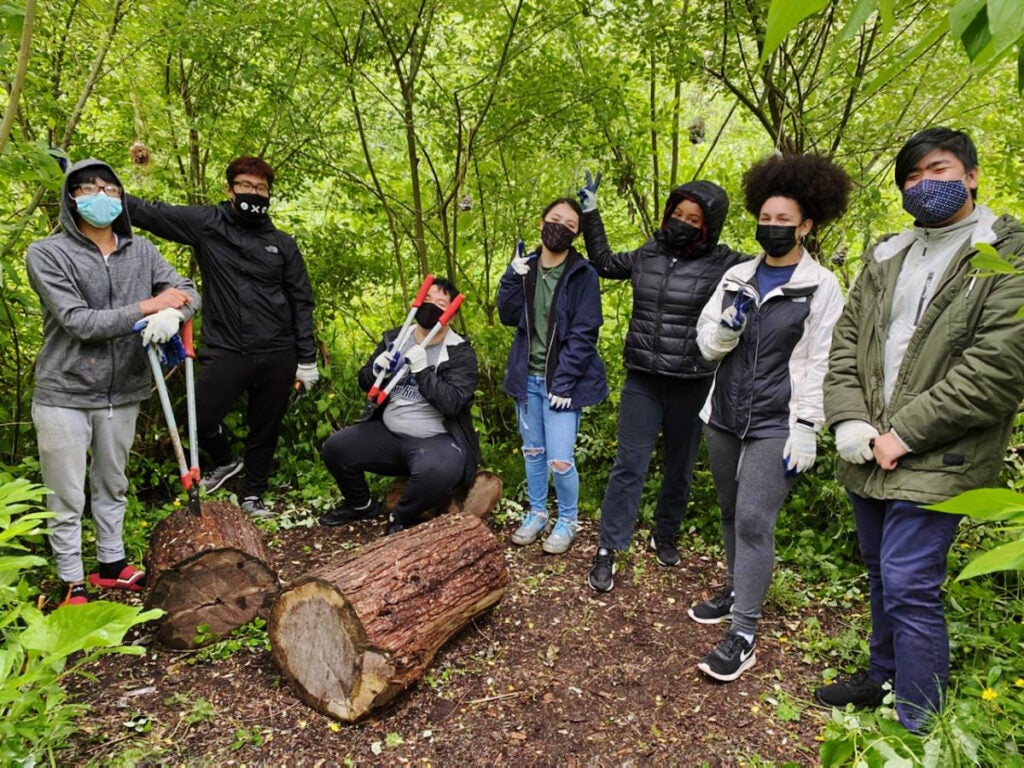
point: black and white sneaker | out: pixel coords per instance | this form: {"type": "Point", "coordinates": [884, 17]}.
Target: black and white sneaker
{"type": "Point", "coordinates": [733, 656]}
{"type": "Point", "coordinates": [668, 552]}
{"type": "Point", "coordinates": [602, 570]}
{"type": "Point", "coordinates": [715, 610]}
{"type": "Point", "coordinates": [255, 508]}
{"type": "Point", "coordinates": [214, 479]}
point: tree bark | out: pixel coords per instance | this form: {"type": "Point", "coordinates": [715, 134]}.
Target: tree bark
{"type": "Point", "coordinates": [475, 501]}
{"type": "Point", "coordinates": [208, 570]}
{"type": "Point", "coordinates": [352, 635]}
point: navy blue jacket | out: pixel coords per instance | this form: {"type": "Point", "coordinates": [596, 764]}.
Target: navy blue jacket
{"type": "Point", "coordinates": [573, 367]}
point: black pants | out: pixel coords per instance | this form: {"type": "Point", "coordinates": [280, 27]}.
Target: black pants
{"type": "Point", "coordinates": [267, 381]}
{"type": "Point", "coordinates": [434, 465]}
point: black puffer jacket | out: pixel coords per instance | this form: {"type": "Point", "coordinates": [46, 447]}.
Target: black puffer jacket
{"type": "Point", "coordinates": [669, 288]}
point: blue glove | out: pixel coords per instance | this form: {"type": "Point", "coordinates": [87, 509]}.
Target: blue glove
{"type": "Point", "coordinates": [172, 352]}
{"type": "Point", "coordinates": [588, 192]}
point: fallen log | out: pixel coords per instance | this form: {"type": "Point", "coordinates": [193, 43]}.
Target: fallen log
{"type": "Point", "coordinates": [482, 496]}
{"type": "Point", "coordinates": [351, 635]}
{"type": "Point", "coordinates": [211, 570]}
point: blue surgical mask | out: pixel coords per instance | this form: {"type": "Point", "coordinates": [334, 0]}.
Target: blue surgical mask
{"type": "Point", "coordinates": [933, 201]}
{"type": "Point", "coordinates": [100, 210]}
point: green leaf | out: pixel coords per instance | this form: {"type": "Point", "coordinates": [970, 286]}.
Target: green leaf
{"type": "Point", "coordinates": [1006, 23]}
{"type": "Point", "coordinates": [858, 17]}
{"type": "Point", "coordinates": [98, 624]}
{"type": "Point", "coordinates": [783, 17]}
{"type": "Point", "coordinates": [989, 260]}
{"type": "Point", "coordinates": [977, 35]}
{"type": "Point", "coordinates": [1008, 557]}
{"type": "Point", "coordinates": [963, 14]}
{"type": "Point", "coordinates": [927, 40]}
{"type": "Point", "coordinates": [992, 504]}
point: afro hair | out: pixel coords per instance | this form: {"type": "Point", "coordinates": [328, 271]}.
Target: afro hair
{"type": "Point", "coordinates": [820, 187]}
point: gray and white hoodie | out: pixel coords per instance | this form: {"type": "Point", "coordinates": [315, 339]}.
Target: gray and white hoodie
{"type": "Point", "coordinates": [90, 358]}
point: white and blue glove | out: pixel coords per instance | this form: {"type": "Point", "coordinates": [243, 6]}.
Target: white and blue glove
{"type": "Point", "coordinates": [801, 449]}
{"type": "Point", "coordinates": [559, 403]}
{"type": "Point", "coordinates": [160, 326]}
{"type": "Point", "coordinates": [588, 192]}
{"type": "Point", "coordinates": [417, 358]}
{"type": "Point", "coordinates": [307, 375]}
{"type": "Point", "coordinates": [854, 441]}
{"type": "Point", "coordinates": [520, 261]}
{"type": "Point", "coordinates": [386, 362]}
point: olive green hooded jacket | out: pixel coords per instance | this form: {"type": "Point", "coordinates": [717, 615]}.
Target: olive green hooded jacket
{"type": "Point", "coordinates": [961, 379]}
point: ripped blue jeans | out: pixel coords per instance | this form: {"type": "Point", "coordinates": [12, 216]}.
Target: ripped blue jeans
{"type": "Point", "coordinates": [549, 442]}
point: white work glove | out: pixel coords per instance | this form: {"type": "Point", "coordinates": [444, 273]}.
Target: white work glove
{"type": "Point", "coordinates": [853, 441]}
{"type": "Point", "coordinates": [160, 326]}
{"type": "Point", "coordinates": [726, 336]}
{"type": "Point", "coordinates": [307, 374]}
{"type": "Point", "coordinates": [417, 358]}
{"type": "Point", "coordinates": [588, 192]}
{"type": "Point", "coordinates": [520, 261]}
{"type": "Point", "coordinates": [801, 449]}
{"type": "Point", "coordinates": [385, 362]}
{"type": "Point", "coordinates": [559, 403]}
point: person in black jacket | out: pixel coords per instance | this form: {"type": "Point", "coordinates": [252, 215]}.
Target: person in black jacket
{"type": "Point", "coordinates": [673, 274]}
{"type": "Point", "coordinates": [257, 324]}
{"type": "Point", "coordinates": [551, 297]}
{"type": "Point", "coordinates": [424, 429]}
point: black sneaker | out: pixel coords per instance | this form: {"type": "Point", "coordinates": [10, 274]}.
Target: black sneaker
{"type": "Point", "coordinates": [858, 689]}
{"type": "Point", "coordinates": [733, 656]}
{"type": "Point", "coordinates": [219, 475]}
{"type": "Point", "coordinates": [394, 525]}
{"type": "Point", "coordinates": [668, 552]}
{"type": "Point", "coordinates": [715, 610]}
{"type": "Point", "coordinates": [346, 513]}
{"type": "Point", "coordinates": [602, 569]}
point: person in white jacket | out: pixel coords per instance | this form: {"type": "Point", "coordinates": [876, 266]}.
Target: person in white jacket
{"type": "Point", "coordinates": [769, 325]}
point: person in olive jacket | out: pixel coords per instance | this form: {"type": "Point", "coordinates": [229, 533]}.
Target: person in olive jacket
{"type": "Point", "coordinates": [257, 328]}
{"type": "Point", "coordinates": [674, 274]}
{"type": "Point", "coordinates": [925, 377]}
{"type": "Point", "coordinates": [551, 297]}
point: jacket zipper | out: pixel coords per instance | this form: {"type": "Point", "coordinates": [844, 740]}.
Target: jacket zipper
{"type": "Point", "coordinates": [661, 297]}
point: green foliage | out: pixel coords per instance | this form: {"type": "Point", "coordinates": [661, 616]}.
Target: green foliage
{"type": "Point", "coordinates": [994, 505]}
{"type": "Point", "coordinates": [251, 637]}
{"type": "Point", "coordinates": [39, 651]}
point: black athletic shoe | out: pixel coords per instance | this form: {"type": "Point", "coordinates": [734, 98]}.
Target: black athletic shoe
{"type": "Point", "coordinates": [858, 689]}
{"type": "Point", "coordinates": [214, 479]}
{"type": "Point", "coordinates": [730, 659]}
{"type": "Point", "coordinates": [346, 513]}
{"type": "Point", "coordinates": [394, 526]}
{"type": "Point", "coordinates": [668, 552]}
{"type": "Point", "coordinates": [715, 610]}
{"type": "Point", "coordinates": [602, 569]}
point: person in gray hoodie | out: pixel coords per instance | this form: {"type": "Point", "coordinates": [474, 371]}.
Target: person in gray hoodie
{"type": "Point", "coordinates": [95, 281]}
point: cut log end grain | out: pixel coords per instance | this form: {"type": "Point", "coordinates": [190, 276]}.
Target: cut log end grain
{"type": "Point", "coordinates": [209, 570]}
{"type": "Point", "coordinates": [476, 500]}
{"type": "Point", "coordinates": [353, 634]}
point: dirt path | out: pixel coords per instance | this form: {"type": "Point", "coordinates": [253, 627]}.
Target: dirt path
{"type": "Point", "coordinates": [555, 675]}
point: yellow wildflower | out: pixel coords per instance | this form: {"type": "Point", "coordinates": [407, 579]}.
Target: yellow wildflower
{"type": "Point", "coordinates": [988, 694]}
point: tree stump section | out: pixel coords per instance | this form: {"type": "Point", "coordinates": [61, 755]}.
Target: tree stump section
{"type": "Point", "coordinates": [477, 500]}
{"type": "Point", "coordinates": [211, 569]}
{"type": "Point", "coordinates": [352, 635]}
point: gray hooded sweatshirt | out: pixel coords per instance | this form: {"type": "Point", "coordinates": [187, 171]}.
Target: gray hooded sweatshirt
{"type": "Point", "coordinates": [90, 358]}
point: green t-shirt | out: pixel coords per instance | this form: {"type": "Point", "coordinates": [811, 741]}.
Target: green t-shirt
{"type": "Point", "coordinates": [547, 279]}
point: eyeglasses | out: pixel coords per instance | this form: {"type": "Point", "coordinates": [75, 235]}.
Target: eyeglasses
{"type": "Point", "coordinates": [247, 186]}
{"type": "Point", "coordinates": [110, 190]}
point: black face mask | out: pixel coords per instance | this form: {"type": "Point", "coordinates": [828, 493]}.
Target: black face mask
{"type": "Point", "coordinates": [776, 240]}
{"type": "Point", "coordinates": [679, 234]}
{"type": "Point", "coordinates": [428, 314]}
{"type": "Point", "coordinates": [557, 237]}
{"type": "Point", "coordinates": [252, 207]}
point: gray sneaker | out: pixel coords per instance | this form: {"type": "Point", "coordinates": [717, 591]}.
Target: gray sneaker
{"type": "Point", "coordinates": [561, 537]}
{"type": "Point", "coordinates": [534, 524]}
{"type": "Point", "coordinates": [219, 475]}
{"type": "Point", "coordinates": [255, 508]}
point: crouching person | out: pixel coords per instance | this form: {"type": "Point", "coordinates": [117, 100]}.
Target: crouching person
{"type": "Point", "coordinates": [95, 281]}
{"type": "Point", "coordinates": [423, 429]}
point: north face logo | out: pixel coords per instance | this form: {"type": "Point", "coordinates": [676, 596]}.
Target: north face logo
{"type": "Point", "coordinates": [270, 249]}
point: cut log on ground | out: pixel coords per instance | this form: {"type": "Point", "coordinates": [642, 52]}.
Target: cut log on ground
{"type": "Point", "coordinates": [477, 500]}
{"type": "Point", "coordinates": [352, 635]}
{"type": "Point", "coordinates": [211, 569]}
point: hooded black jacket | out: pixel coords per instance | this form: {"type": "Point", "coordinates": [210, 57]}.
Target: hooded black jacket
{"type": "Point", "coordinates": [669, 288]}
{"type": "Point", "coordinates": [256, 293]}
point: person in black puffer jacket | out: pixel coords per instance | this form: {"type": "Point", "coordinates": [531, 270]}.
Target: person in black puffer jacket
{"type": "Point", "coordinates": [673, 274]}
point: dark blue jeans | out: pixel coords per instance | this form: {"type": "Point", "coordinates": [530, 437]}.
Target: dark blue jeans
{"type": "Point", "coordinates": [905, 547]}
{"type": "Point", "coordinates": [649, 405]}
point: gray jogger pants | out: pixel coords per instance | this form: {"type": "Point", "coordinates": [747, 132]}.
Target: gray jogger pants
{"type": "Point", "coordinates": [752, 485]}
{"type": "Point", "coordinates": [66, 437]}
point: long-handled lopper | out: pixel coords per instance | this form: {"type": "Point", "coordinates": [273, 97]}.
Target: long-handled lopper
{"type": "Point", "coordinates": [403, 334]}
{"type": "Point", "coordinates": [404, 367]}
{"type": "Point", "coordinates": [189, 475]}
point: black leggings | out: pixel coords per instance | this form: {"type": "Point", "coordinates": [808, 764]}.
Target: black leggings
{"type": "Point", "coordinates": [434, 465]}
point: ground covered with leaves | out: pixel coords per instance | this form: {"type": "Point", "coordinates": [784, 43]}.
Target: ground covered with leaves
{"type": "Point", "coordinates": [555, 674]}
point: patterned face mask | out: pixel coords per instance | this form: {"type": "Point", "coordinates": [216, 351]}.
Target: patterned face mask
{"type": "Point", "coordinates": [933, 201]}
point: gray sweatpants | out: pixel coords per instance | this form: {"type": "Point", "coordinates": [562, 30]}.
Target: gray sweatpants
{"type": "Point", "coordinates": [66, 436]}
{"type": "Point", "coordinates": [752, 486]}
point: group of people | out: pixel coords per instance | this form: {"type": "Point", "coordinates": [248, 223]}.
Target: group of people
{"type": "Point", "coordinates": [919, 376]}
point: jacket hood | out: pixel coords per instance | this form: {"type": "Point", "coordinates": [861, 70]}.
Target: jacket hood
{"type": "Point", "coordinates": [713, 201]}
{"type": "Point", "coordinates": [69, 223]}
